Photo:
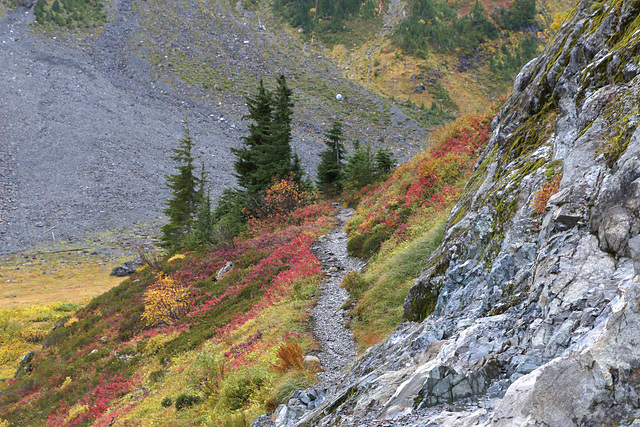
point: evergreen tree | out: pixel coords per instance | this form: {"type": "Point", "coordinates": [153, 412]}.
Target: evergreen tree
{"type": "Point", "coordinates": [246, 164]}
{"type": "Point", "coordinates": [523, 13]}
{"type": "Point", "coordinates": [384, 162]}
{"type": "Point", "coordinates": [297, 173]}
{"type": "Point", "coordinates": [203, 227]}
{"type": "Point", "coordinates": [275, 157]}
{"type": "Point", "coordinates": [331, 160]}
{"type": "Point", "coordinates": [359, 170]}
{"type": "Point", "coordinates": [183, 205]}
{"type": "Point", "coordinates": [266, 152]}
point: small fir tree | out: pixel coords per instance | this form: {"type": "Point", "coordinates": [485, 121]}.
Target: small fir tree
{"type": "Point", "coordinates": [277, 159]}
{"type": "Point", "coordinates": [184, 202]}
{"type": "Point", "coordinates": [332, 159]}
{"type": "Point", "coordinates": [359, 170]}
{"type": "Point", "coordinates": [384, 162]}
{"type": "Point", "coordinates": [246, 164]}
{"type": "Point", "coordinates": [203, 227]}
{"type": "Point", "coordinates": [266, 152]}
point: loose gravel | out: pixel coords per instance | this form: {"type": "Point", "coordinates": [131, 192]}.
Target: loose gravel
{"type": "Point", "coordinates": [336, 341]}
{"type": "Point", "coordinates": [83, 146]}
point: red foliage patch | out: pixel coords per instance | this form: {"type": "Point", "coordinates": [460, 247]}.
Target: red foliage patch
{"type": "Point", "coordinates": [97, 401]}
{"type": "Point", "coordinates": [430, 181]}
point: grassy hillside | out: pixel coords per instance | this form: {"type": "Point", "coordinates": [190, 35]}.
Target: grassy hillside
{"type": "Point", "coordinates": [177, 331]}
{"type": "Point", "coordinates": [172, 345]}
{"type": "Point", "coordinates": [441, 53]}
{"type": "Point", "coordinates": [399, 222]}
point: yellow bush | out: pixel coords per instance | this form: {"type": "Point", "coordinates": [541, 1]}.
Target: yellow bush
{"type": "Point", "coordinates": [71, 321]}
{"type": "Point", "coordinates": [33, 334]}
{"type": "Point", "coordinates": [175, 257]}
{"type": "Point", "coordinates": [165, 302]}
{"type": "Point", "coordinates": [66, 383]}
{"type": "Point", "coordinates": [75, 411]}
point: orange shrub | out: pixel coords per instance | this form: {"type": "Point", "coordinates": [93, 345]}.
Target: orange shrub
{"type": "Point", "coordinates": [274, 209]}
{"type": "Point", "coordinates": [542, 196]}
{"type": "Point", "coordinates": [289, 357]}
{"type": "Point", "coordinates": [283, 197]}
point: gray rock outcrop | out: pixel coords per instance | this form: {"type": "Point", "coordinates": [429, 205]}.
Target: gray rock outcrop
{"type": "Point", "coordinates": [227, 267]}
{"type": "Point", "coordinates": [25, 366]}
{"type": "Point", "coordinates": [523, 318]}
{"type": "Point", "coordinates": [126, 269]}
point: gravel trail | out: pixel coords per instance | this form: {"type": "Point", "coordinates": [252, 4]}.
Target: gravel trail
{"type": "Point", "coordinates": [336, 341]}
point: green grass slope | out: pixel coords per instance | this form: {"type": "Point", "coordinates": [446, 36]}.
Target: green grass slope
{"type": "Point", "coordinates": [400, 222]}
{"type": "Point", "coordinates": [175, 346]}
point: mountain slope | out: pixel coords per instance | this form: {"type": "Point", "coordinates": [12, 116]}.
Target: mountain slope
{"type": "Point", "coordinates": [527, 314]}
{"type": "Point", "coordinates": [89, 117]}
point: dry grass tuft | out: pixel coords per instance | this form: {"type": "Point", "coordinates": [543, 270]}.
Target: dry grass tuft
{"type": "Point", "coordinates": [290, 357]}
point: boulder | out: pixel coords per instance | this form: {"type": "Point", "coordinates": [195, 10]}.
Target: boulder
{"type": "Point", "coordinates": [568, 216]}
{"type": "Point", "coordinates": [614, 230]}
{"type": "Point", "coordinates": [300, 403]}
{"type": "Point", "coordinates": [312, 363]}
{"type": "Point", "coordinates": [126, 269]}
{"type": "Point", "coordinates": [634, 250]}
{"type": "Point", "coordinates": [224, 270]}
{"type": "Point", "coordinates": [25, 365]}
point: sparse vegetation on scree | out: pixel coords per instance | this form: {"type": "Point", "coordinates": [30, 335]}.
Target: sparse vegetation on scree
{"type": "Point", "coordinates": [71, 13]}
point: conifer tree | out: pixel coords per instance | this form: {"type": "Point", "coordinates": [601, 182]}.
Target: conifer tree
{"type": "Point", "coordinates": [183, 204]}
{"type": "Point", "coordinates": [266, 151]}
{"type": "Point", "coordinates": [297, 173]}
{"type": "Point", "coordinates": [359, 170]}
{"type": "Point", "coordinates": [331, 159]}
{"type": "Point", "coordinates": [247, 163]}
{"type": "Point", "coordinates": [275, 157]}
{"type": "Point", "coordinates": [204, 222]}
{"type": "Point", "coordinates": [384, 162]}
{"type": "Point", "coordinates": [203, 229]}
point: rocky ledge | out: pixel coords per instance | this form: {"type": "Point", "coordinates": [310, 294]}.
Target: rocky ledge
{"type": "Point", "coordinates": [530, 316]}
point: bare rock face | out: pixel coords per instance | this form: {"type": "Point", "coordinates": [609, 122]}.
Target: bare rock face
{"type": "Point", "coordinates": [520, 318]}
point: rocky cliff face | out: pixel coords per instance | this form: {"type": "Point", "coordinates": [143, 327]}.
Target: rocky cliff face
{"type": "Point", "coordinates": [525, 318]}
